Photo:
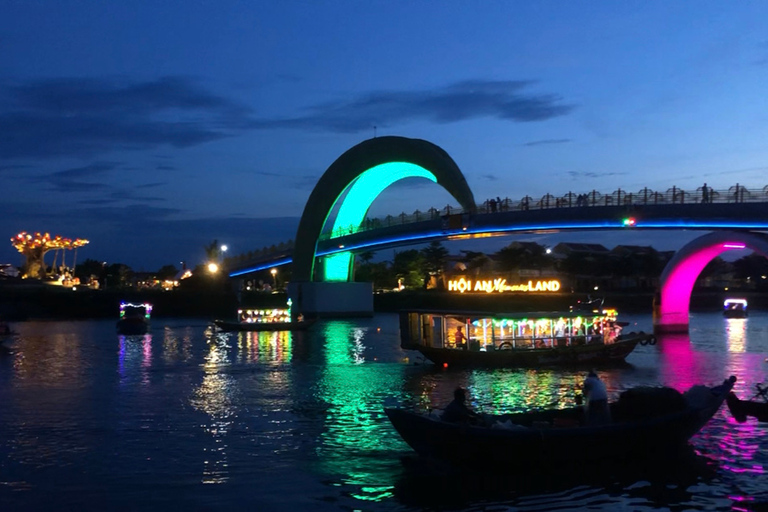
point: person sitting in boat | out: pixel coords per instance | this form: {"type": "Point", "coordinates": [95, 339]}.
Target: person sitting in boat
{"type": "Point", "coordinates": [460, 338]}
{"type": "Point", "coordinates": [457, 411]}
{"type": "Point", "coordinates": [596, 400]}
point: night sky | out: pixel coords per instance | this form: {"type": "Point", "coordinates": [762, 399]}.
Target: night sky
{"type": "Point", "coordinates": [152, 128]}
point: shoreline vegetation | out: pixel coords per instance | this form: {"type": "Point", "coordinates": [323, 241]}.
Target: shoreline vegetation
{"type": "Point", "coordinates": [19, 302]}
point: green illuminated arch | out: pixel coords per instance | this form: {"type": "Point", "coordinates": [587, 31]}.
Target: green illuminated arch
{"type": "Point", "coordinates": [363, 172]}
{"type": "Point", "coordinates": [359, 197]}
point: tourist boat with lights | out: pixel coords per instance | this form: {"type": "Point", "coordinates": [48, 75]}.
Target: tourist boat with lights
{"type": "Point", "coordinates": [276, 319]}
{"type": "Point", "coordinates": [735, 308]}
{"type": "Point", "coordinates": [644, 422]}
{"type": "Point", "coordinates": [134, 318]}
{"type": "Point", "coordinates": [482, 339]}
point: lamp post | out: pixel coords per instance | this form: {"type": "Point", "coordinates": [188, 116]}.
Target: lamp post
{"type": "Point", "coordinates": [274, 277]}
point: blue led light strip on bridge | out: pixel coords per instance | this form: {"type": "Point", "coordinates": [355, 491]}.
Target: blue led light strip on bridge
{"type": "Point", "coordinates": [442, 234]}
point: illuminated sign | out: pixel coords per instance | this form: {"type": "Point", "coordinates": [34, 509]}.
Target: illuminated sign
{"type": "Point", "coordinates": [500, 285]}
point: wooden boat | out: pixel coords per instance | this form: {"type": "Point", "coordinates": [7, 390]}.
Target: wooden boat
{"type": "Point", "coordinates": [134, 318]}
{"type": "Point", "coordinates": [735, 308]}
{"type": "Point", "coordinates": [274, 319]}
{"type": "Point", "coordinates": [644, 422]}
{"type": "Point", "coordinates": [461, 338]}
{"type": "Point", "coordinates": [742, 409]}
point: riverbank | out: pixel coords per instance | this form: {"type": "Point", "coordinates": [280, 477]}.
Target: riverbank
{"type": "Point", "coordinates": [23, 302]}
{"type": "Point", "coordinates": [19, 303]}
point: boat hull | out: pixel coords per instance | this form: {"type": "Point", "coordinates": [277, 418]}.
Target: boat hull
{"type": "Point", "coordinates": [741, 409]}
{"type": "Point", "coordinates": [132, 326]}
{"type": "Point", "coordinates": [471, 444]}
{"type": "Point", "coordinates": [265, 326]}
{"type": "Point", "coordinates": [575, 355]}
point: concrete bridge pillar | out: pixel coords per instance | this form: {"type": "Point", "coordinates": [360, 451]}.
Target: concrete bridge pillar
{"type": "Point", "coordinates": [670, 311]}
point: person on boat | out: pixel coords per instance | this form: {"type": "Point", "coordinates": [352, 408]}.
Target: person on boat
{"type": "Point", "coordinates": [596, 400]}
{"type": "Point", "coordinates": [460, 338]}
{"type": "Point", "coordinates": [457, 411]}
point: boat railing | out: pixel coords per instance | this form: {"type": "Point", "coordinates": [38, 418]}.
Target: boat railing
{"type": "Point", "coordinates": [533, 342]}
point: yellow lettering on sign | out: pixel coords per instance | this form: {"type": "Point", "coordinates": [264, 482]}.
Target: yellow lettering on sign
{"type": "Point", "coordinates": [500, 285]}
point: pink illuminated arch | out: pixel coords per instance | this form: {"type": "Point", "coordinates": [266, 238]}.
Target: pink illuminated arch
{"type": "Point", "coordinates": [681, 272]}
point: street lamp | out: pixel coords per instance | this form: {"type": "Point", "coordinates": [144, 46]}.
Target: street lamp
{"type": "Point", "coordinates": [274, 277]}
{"type": "Point", "coordinates": [213, 268]}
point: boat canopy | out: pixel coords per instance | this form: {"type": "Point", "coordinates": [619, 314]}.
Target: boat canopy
{"type": "Point", "coordinates": [135, 309]}
{"type": "Point", "coordinates": [735, 304]}
{"type": "Point", "coordinates": [490, 331]}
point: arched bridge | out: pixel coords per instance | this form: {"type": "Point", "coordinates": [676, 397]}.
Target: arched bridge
{"type": "Point", "coordinates": [657, 211]}
{"type": "Point", "coordinates": [357, 177]}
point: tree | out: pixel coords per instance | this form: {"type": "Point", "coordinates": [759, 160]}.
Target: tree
{"type": "Point", "coordinates": [378, 273]}
{"type": "Point", "coordinates": [475, 261]}
{"type": "Point", "coordinates": [167, 272]}
{"type": "Point", "coordinates": [88, 268]}
{"type": "Point", "coordinates": [435, 256]}
{"type": "Point", "coordinates": [119, 275]}
{"type": "Point", "coordinates": [34, 247]}
{"type": "Point", "coordinates": [753, 268]}
{"type": "Point", "coordinates": [365, 257]}
{"type": "Point", "coordinates": [212, 251]}
{"type": "Point", "coordinates": [409, 267]}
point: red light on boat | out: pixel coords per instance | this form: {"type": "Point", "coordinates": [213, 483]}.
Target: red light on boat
{"type": "Point", "coordinates": [445, 365]}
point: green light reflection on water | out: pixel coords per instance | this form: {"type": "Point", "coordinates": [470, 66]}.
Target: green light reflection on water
{"type": "Point", "coordinates": [357, 440]}
{"type": "Point", "coordinates": [507, 391]}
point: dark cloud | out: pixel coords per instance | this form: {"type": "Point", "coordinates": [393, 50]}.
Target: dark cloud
{"type": "Point", "coordinates": [268, 174]}
{"type": "Point", "coordinates": [62, 117]}
{"type": "Point", "coordinates": [131, 195]}
{"type": "Point", "coordinates": [546, 141]}
{"type": "Point", "coordinates": [75, 179]}
{"type": "Point", "coordinates": [84, 117]}
{"type": "Point", "coordinates": [165, 168]}
{"type": "Point", "coordinates": [504, 100]}
{"type": "Point", "coordinates": [95, 169]}
{"type": "Point", "coordinates": [590, 174]}
{"type": "Point", "coordinates": [151, 185]}
{"type": "Point", "coordinates": [5, 168]}
{"type": "Point", "coordinates": [489, 177]}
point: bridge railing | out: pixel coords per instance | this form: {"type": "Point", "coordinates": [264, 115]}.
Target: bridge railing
{"type": "Point", "coordinates": [646, 196]}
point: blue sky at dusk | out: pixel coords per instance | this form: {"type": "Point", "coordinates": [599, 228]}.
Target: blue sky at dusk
{"type": "Point", "coordinates": [152, 128]}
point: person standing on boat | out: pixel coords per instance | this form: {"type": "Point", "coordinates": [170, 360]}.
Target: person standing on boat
{"type": "Point", "coordinates": [460, 338]}
{"type": "Point", "coordinates": [457, 411]}
{"type": "Point", "coordinates": [596, 400]}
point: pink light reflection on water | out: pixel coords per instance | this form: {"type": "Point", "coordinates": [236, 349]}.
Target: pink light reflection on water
{"type": "Point", "coordinates": [678, 362]}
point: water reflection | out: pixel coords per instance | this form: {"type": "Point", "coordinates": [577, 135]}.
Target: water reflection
{"type": "Point", "coordinates": [355, 436]}
{"type": "Point", "coordinates": [680, 365]}
{"type": "Point", "coordinates": [266, 347]}
{"type": "Point", "coordinates": [134, 353]}
{"type": "Point", "coordinates": [215, 396]}
{"type": "Point", "coordinates": [736, 334]}
{"type": "Point", "coordinates": [297, 419]}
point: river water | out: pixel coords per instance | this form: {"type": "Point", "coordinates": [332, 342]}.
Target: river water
{"type": "Point", "coordinates": [186, 419]}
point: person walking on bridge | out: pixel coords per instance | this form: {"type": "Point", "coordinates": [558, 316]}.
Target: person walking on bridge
{"type": "Point", "coordinates": [704, 194]}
